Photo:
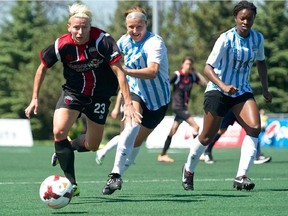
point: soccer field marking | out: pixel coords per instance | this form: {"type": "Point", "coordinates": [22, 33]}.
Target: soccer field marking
{"type": "Point", "coordinates": [149, 181]}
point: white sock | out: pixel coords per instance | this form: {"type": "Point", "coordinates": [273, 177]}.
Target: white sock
{"type": "Point", "coordinates": [125, 146]}
{"type": "Point", "coordinates": [131, 158]}
{"type": "Point", "coordinates": [196, 150]}
{"type": "Point", "coordinates": [110, 145]}
{"type": "Point", "coordinates": [248, 152]}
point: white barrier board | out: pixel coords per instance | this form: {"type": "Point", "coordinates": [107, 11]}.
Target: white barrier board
{"type": "Point", "coordinates": [15, 132]}
{"type": "Point", "coordinates": [181, 139]}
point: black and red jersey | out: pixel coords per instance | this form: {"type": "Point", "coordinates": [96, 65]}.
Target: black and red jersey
{"type": "Point", "coordinates": [182, 86]}
{"type": "Point", "coordinates": [86, 67]}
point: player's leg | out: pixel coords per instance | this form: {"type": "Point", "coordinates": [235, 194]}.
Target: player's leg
{"type": "Point", "coordinates": [212, 118]}
{"type": "Point", "coordinates": [124, 148]}
{"type": "Point", "coordinates": [149, 122]}
{"type": "Point", "coordinates": [260, 157]}
{"type": "Point", "coordinates": [248, 117]}
{"type": "Point", "coordinates": [62, 122]}
{"type": "Point", "coordinates": [163, 157]}
{"type": "Point", "coordinates": [211, 124]}
{"type": "Point", "coordinates": [101, 153]}
{"type": "Point", "coordinates": [228, 120]}
{"type": "Point", "coordinates": [141, 137]}
{"type": "Point", "coordinates": [190, 120]}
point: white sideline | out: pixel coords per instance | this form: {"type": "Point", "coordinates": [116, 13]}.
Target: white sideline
{"type": "Point", "coordinates": [149, 181]}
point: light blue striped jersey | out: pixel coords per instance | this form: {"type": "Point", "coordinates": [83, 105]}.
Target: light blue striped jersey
{"type": "Point", "coordinates": [154, 92]}
{"type": "Point", "coordinates": [233, 57]}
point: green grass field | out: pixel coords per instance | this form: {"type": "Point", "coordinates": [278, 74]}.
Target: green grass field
{"type": "Point", "coordinates": [150, 187]}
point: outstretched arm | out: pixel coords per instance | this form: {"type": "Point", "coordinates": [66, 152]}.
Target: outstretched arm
{"type": "Point", "coordinates": [38, 80]}
{"type": "Point", "coordinates": [129, 110]}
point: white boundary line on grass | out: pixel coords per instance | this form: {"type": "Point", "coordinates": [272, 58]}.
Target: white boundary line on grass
{"type": "Point", "coordinates": [150, 181]}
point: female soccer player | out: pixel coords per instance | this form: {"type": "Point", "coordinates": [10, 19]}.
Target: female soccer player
{"type": "Point", "coordinates": [228, 68]}
{"type": "Point", "coordinates": [146, 62]}
{"type": "Point", "coordinates": [92, 70]}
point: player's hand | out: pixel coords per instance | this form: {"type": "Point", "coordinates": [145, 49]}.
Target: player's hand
{"type": "Point", "coordinates": [230, 89]}
{"type": "Point", "coordinates": [267, 96]}
{"type": "Point", "coordinates": [131, 115]}
{"type": "Point", "coordinates": [33, 107]}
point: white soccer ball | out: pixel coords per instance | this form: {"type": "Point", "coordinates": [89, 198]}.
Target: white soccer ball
{"type": "Point", "coordinates": [56, 191]}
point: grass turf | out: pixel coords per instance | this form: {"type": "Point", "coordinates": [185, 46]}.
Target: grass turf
{"type": "Point", "coordinates": [150, 187]}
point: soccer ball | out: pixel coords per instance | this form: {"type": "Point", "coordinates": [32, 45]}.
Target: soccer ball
{"type": "Point", "coordinates": [56, 191]}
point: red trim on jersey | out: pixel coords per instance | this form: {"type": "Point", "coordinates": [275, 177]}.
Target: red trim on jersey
{"type": "Point", "coordinates": [115, 60]}
{"type": "Point", "coordinates": [42, 60]}
{"type": "Point", "coordinates": [64, 39]}
{"type": "Point", "coordinates": [81, 52]}
{"type": "Point", "coordinates": [89, 83]}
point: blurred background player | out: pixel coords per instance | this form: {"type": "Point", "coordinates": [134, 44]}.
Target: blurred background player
{"type": "Point", "coordinates": [182, 81]}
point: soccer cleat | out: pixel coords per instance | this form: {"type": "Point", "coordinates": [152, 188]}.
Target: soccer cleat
{"type": "Point", "coordinates": [113, 183]}
{"type": "Point", "coordinates": [165, 158]}
{"type": "Point", "coordinates": [243, 182]}
{"type": "Point", "coordinates": [262, 159]}
{"type": "Point", "coordinates": [208, 159]}
{"type": "Point", "coordinates": [187, 179]}
{"type": "Point", "coordinates": [54, 160]}
{"type": "Point", "coordinates": [76, 190]}
{"type": "Point", "coordinates": [99, 158]}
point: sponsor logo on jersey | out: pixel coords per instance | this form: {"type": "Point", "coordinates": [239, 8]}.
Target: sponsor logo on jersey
{"type": "Point", "coordinates": [93, 51]}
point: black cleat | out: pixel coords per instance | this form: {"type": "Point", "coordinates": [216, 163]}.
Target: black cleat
{"type": "Point", "coordinates": [243, 182]}
{"type": "Point", "coordinates": [113, 183]}
{"type": "Point", "coordinates": [187, 179]}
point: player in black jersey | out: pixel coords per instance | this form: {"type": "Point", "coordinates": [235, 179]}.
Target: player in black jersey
{"type": "Point", "coordinates": [182, 81]}
{"type": "Point", "coordinates": [92, 70]}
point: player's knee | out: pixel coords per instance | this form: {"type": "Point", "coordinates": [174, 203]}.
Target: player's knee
{"type": "Point", "coordinates": [253, 131]}
{"type": "Point", "coordinates": [92, 146]}
{"type": "Point", "coordinates": [59, 134]}
{"type": "Point", "coordinates": [205, 140]}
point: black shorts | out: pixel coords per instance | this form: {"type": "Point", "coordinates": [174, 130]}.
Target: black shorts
{"type": "Point", "coordinates": [219, 104]}
{"type": "Point", "coordinates": [96, 109]}
{"type": "Point", "coordinates": [181, 115]}
{"type": "Point", "coordinates": [151, 118]}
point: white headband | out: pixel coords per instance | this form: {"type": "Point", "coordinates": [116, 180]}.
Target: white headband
{"type": "Point", "coordinates": [136, 15]}
{"type": "Point", "coordinates": [81, 15]}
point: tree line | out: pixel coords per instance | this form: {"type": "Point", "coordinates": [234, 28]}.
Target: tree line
{"type": "Point", "coordinates": [187, 27]}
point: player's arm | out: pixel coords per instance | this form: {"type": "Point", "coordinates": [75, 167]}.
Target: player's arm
{"type": "Point", "coordinates": [145, 73]}
{"type": "Point", "coordinates": [211, 75]}
{"type": "Point", "coordinates": [202, 81]}
{"type": "Point", "coordinates": [262, 71]}
{"type": "Point", "coordinates": [129, 110]}
{"type": "Point", "coordinates": [38, 80]}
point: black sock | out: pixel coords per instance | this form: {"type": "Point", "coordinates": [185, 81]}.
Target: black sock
{"type": "Point", "coordinates": [65, 157]}
{"type": "Point", "coordinates": [211, 144]}
{"type": "Point", "coordinates": [79, 143]}
{"type": "Point", "coordinates": [166, 145]}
